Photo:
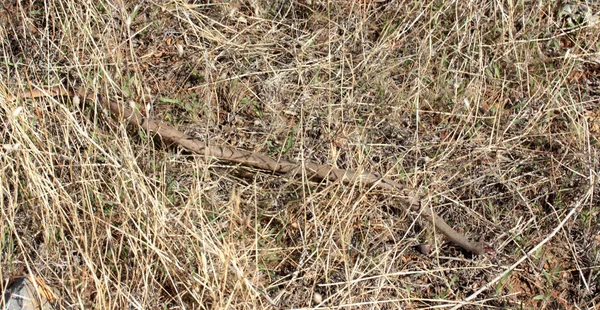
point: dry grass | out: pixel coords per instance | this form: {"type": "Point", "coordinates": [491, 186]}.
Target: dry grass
{"type": "Point", "coordinates": [490, 109]}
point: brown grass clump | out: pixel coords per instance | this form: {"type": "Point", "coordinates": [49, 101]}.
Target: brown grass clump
{"type": "Point", "coordinates": [490, 110]}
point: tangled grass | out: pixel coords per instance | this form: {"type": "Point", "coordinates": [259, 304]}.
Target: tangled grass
{"type": "Point", "coordinates": [489, 109]}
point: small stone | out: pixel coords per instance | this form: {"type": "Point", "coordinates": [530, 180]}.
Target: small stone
{"type": "Point", "coordinates": [76, 100]}
{"type": "Point", "coordinates": [16, 112]}
{"type": "Point", "coordinates": [424, 248]}
{"type": "Point", "coordinates": [22, 295]}
{"type": "Point", "coordinates": [317, 298]}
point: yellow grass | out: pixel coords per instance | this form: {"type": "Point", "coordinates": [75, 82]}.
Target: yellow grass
{"type": "Point", "coordinates": [489, 109]}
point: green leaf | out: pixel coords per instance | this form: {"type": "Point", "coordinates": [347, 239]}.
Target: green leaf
{"type": "Point", "coordinates": [289, 142]}
{"type": "Point", "coordinates": [134, 13]}
{"type": "Point", "coordinates": [169, 100]}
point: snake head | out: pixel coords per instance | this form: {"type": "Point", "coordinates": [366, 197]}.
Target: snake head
{"type": "Point", "coordinates": [483, 248]}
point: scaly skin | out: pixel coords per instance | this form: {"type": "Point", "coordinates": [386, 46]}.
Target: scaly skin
{"type": "Point", "coordinates": [476, 248]}
{"type": "Point", "coordinates": [260, 161]}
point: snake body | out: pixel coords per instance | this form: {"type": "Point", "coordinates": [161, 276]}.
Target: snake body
{"type": "Point", "coordinates": [260, 161]}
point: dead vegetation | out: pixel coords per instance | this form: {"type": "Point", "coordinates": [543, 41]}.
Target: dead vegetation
{"type": "Point", "coordinates": [490, 110]}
